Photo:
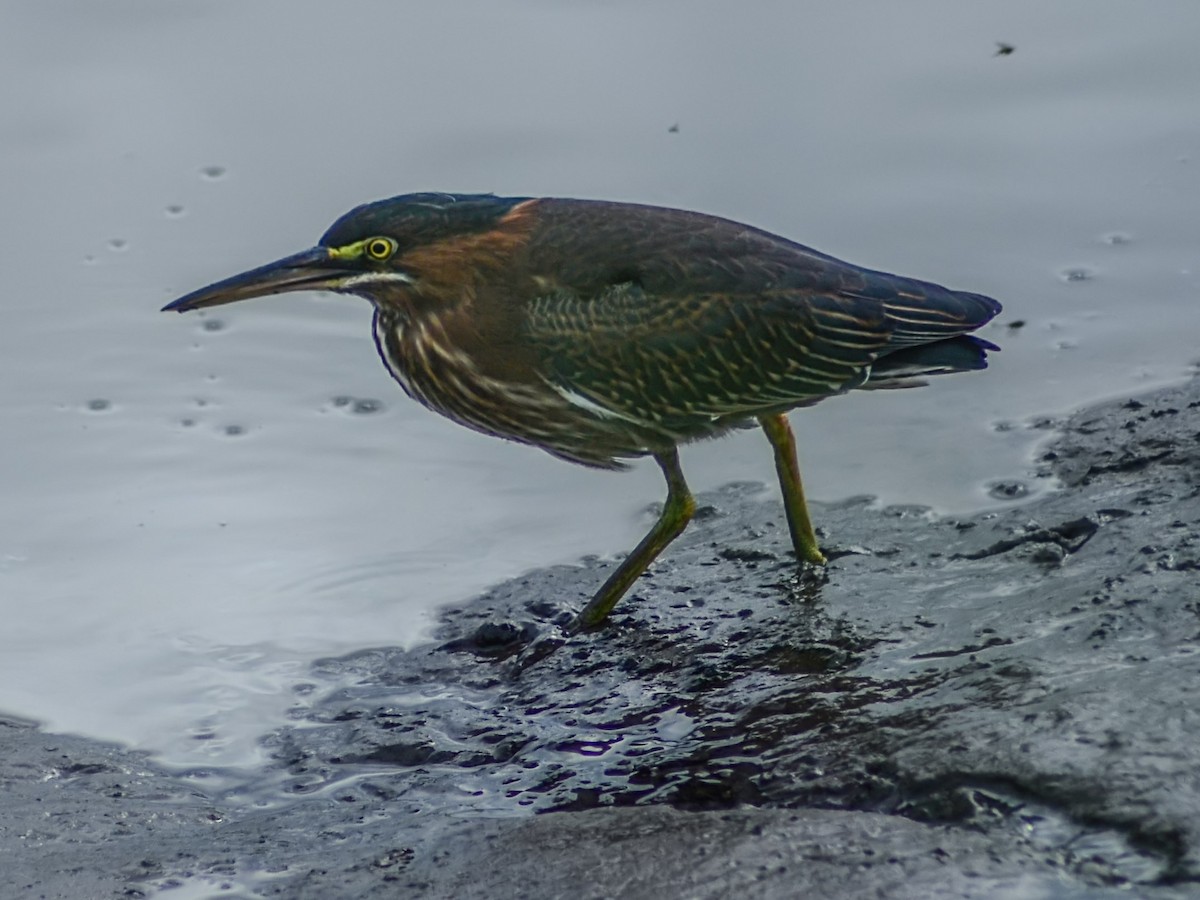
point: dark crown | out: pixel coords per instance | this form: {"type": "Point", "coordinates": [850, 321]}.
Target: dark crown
{"type": "Point", "coordinates": [415, 219]}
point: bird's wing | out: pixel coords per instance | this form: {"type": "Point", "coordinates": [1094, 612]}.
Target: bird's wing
{"type": "Point", "coordinates": [679, 362]}
{"type": "Point", "coordinates": [919, 312]}
{"type": "Point", "coordinates": [679, 317]}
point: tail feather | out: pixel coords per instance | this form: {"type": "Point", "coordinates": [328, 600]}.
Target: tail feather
{"type": "Point", "coordinates": [965, 353]}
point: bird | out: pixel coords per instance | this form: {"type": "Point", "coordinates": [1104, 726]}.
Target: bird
{"type": "Point", "coordinates": [603, 331]}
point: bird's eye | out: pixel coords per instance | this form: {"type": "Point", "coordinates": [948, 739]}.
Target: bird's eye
{"type": "Point", "coordinates": [380, 248]}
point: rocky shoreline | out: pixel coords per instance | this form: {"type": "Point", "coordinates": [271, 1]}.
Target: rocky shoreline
{"type": "Point", "coordinates": [997, 705]}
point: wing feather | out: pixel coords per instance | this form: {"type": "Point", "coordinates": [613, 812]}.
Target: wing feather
{"type": "Point", "coordinates": [682, 363]}
{"type": "Point", "coordinates": [682, 321]}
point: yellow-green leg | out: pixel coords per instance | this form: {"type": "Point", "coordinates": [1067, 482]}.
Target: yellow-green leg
{"type": "Point", "coordinates": [779, 433]}
{"type": "Point", "coordinates": [677, 512]}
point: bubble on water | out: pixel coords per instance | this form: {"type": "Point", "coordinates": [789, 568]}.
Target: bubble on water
{"type": "Point", "coordinates": [213, 325]}
{"type": "Point", "coordinates": [212, 173]}
{"type": "Point", "coordinates": [201, 402]}
{"type": "Point", "coordinates": [1004, 426]}
{"type": "Point", "coordinates": [234, 430]}
{"type": "Point", "coordinates": [1077, 273]}
{"type": "Point", "coordinates": [1008, 490]}
{"type": "Point", "coordinates": [187, 423]}
{"type": "Point", "coordinates": [360, 406]}
{"type": "Point", "coordinates": [366, 406]}
{"type": "Point", "coordinates": [99, 405]}
{"type": "Point", "coordinates": [1117, 238]}
{"type": "Point", "coordinates": [174, 210]}
{"type": "Point", "coordinates": [118, 244]}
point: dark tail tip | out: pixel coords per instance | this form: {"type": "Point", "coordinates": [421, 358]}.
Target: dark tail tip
{"type": "Point", "coordinates": [965, 353]}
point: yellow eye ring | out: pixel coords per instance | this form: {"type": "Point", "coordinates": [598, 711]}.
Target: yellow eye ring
{"type": "Point", "coordinates": [379, 248]}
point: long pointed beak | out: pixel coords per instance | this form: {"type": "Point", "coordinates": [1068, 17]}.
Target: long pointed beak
{"type": "Point", "coordinates": [312, 270]}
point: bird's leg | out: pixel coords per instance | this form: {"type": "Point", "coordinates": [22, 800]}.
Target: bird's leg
{"type": "Point", "coordinates": [779, 433]}
{"type": "Point", "coordinates": [677, 512]}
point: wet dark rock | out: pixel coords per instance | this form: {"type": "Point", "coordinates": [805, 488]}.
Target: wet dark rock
{"type": "Point", "coordinates": [494, 639]}
{"type": "Point", "coordinates": [1008, 490]}
{"type": "Point", "coordinates": [1001, 705]}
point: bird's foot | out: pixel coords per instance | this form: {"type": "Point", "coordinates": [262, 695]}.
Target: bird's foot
{"type": "Point", "coordinates": [538, 650]}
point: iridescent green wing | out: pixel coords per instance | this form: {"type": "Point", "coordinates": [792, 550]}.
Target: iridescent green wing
{"type": "Point", "coordinates": [683, 320]}
{"type": "Point", "coordinates": [684, 362]}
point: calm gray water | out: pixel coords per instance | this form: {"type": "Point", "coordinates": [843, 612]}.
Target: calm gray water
{"type": "Point", "coordinates": [193, 508]}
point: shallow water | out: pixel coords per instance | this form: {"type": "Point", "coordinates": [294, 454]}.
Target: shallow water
{"type": "Point", "coordinates": [195, 507]}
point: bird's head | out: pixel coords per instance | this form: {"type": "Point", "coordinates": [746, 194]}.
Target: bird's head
{"type": "Point", "coordinates": [387, 250]}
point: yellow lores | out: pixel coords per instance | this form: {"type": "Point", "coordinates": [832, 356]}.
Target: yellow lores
{"type": "Point", "coordinates": [377, 249]}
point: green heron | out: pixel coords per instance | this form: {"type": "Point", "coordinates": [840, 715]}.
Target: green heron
{"type": "Point", "coordinates": [603, 331]}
